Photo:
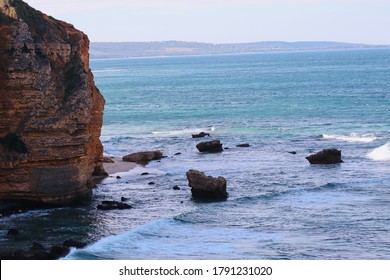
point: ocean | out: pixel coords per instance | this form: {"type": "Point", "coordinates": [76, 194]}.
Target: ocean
{"type": "Point", "coordinates": [279, 206]}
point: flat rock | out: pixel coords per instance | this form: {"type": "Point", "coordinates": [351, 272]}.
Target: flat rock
{"type": "Point", "coordinates": [111, 205]}
{"type": "Point", "coordinates": [143, 157]}
{"type": "Point", "coordinates": [201, 135]}
{"type": "Point", "coordinates": [246, 145]}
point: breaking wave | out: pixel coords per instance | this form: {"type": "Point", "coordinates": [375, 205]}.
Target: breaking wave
{"type": "Point", "coordinates": [381, 153]}
{"type": "Point", "coordinates": [352, 137]}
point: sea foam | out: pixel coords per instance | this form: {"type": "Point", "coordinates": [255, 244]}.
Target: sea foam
{"type": "Point", "coordinates": [352, 137]}
{"type": "Point", "coordinates": [184, 131]}
{"type": "Point", "coordinates": [381, 153]}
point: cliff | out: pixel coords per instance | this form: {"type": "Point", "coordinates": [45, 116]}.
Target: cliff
{"type": "Point", "coordinates": [50, 109]}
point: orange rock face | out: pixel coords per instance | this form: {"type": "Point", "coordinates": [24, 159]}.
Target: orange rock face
{"type": "Point", "coordinates": [50, 109]}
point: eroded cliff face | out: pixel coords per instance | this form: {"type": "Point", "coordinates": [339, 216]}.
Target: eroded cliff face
{"type": "Point", "coordinates": [50, 109]}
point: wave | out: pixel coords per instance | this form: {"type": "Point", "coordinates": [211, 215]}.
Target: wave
{"type": "Point", "coordinates": [352, 137]}
{"type": "Point", "coordinates": [184, 131]}
{"type": "Point", "coordinates": [168, 238]}
{"type": "Point", "coordinates": [381, 153]}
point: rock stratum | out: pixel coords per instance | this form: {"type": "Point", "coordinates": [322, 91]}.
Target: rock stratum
{"type": "Point", "coordinates": [50, 109]}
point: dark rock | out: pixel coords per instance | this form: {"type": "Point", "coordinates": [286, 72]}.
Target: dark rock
{"type": "Point", "coordinates": [246, 145]}
{"type": "Point", "coordinates": [200, 135]}
{"type": "Point", "coordinates": [144, 173]}
{"type": "Point", "coordinates": [37, 246]}
{"type": "Point", "coordinates": [74, 244]}
{"type": "Point", "coordinates": [57, 251]}
{"type": "Point", "coordinates": [118, 177]}
{"type": "Point", "coordinates": [143, 157]}
{"type": "Point", "coordinates": [176, 188]}
{"type": "Point", "coordinates": [177, 154]}
{"type": "Point", "coordinates": [111, 205]}
{"type": "Point", "coordinates": [208, 187]}
{"type": "Point", "coordinates": [124, 199]}
{"type": "Point", "coordinates": [214, 146]}
{"type": "Point", "coordinates": [292, 152]}
{"type": "Point", "coordinates": [151, 183]}
{"type": "Point", "coordinates": [13, 232]}
{"type": "Point", "coordinates": [326, 156]}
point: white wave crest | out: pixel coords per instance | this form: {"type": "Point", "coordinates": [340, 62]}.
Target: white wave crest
{"type": "Point", "coordinates": [184, 131]}
{"type": "Point", "coordinates": [352, 137]}
{"type": "Point", "coordinates": [381, 153]}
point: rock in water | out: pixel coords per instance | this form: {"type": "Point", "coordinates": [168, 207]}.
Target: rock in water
{"type": "Point", "coordinates": [51, 111]}
{"type": "Point", "coordinates": [201, 135]}
{"type": "Point", "coordinates": [143, 157]}
{"type": "Point", "coordinates": [208, 187]}
{"type": "Point", "coordinates": [214, 146]}
{"type": "Point", "coordinates": [326, 156]}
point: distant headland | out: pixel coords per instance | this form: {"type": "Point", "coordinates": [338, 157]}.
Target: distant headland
{"type": "Point", "coordinates": [100, 50]}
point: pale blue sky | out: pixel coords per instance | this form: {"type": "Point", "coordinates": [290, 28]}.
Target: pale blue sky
{"type": "Point", "coordinates": [226, 21]}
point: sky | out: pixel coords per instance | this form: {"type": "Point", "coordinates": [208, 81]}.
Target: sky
{"type": "Point", "coordinates": [225, 21]}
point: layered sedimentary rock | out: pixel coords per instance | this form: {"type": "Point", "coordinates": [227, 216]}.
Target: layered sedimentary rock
{"type": "Point", "coordinates": [50, 109]}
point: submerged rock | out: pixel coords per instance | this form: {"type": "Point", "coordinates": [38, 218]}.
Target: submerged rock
{"type": "Point", "coordinates": [143, 157]}
{"type": "Point", "coordinates": [51, 111]}
{"type": "Point", "coordinates": [326, 156]}
{"type": "Point", "coordinates": [246, 145]}
{"type": "Point", "coordinates": [214, 146]}
{"type": "Point", "coordinates": [208, 187]}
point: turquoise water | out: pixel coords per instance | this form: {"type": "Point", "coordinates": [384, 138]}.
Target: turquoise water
{"type": "Point", "coordinates": [279, 206]}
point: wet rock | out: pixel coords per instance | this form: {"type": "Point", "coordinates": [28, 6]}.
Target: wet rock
{"type": "Point", "coordinates": [208, 187]}
{"type": "Point", "coordinates": [246, 145]}
{"type": "Point", "coordinates": [214, 146]}
{"type": "Point", "coordinates": [143, 157]}
{"type": "Point", "coordinates": [292, 152]}
{"type": "Point", "coordinates": [151, 183]}
{"type": "Point", "coordinates": [123, 199]}
{"type": "Point", "coordinates": [144, 173]}
{"type": "Point", "coordinates": [201, 135]}
{"type": "Point", "coordinates": [326, 156]}
{"type": "Point", "coordinates": [178, 154]}
{"type": "Point", "coordinates": [176, 188]}
{"type": "Point", "coordinates": [58, 251]}
{"type": "Point", "coordinates": [74, 244]}
{"type": "Point", "coordinates": [118, 177]}
{"type": "Point", "coordinates": [111, 205]}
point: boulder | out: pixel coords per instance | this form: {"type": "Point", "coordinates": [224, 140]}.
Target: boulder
{"type": "Point", "coordinates": [326, 156]}
{"type": "Point", "coordinates": [206, 187]}
{"type": "Point", "coordinates": [201, 135]}
{"type": "Point", "coordinates": [214, 146]}
{"type": "Point", "coordinates": [143, 157]}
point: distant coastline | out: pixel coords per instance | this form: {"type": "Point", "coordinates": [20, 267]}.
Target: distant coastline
{"type": "Point", "coordinates": [106, 50]}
